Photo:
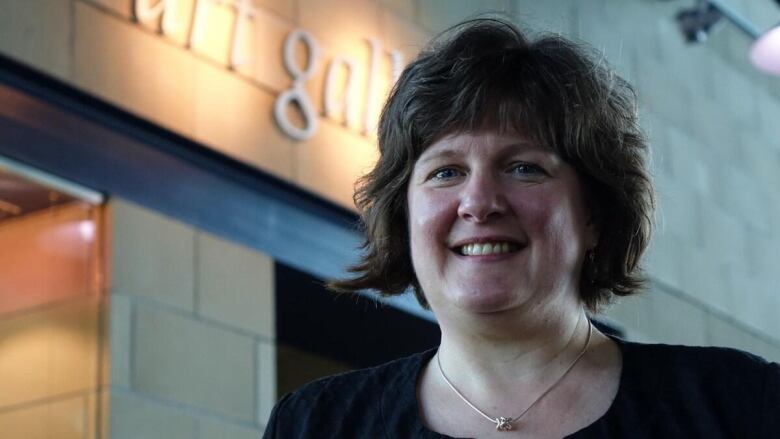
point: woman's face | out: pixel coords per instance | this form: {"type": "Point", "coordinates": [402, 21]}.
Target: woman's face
{"type": "Point", "coordinates": [496, 223]}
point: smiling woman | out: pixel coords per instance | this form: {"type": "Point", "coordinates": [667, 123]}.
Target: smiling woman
{"type": "Point", "coordinates": [472, 192]}
{"type": "Point", "coordinates": [512, 196]}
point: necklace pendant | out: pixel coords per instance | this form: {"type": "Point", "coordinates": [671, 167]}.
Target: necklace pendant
{"type": "Point", "coordinates": [503, 424]}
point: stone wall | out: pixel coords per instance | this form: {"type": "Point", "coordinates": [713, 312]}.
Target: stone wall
{"type": "Point", "coordinates": [191, 316]}
{"type": "Point", "coordinates": [712, 123]}
{"type": "Point", "coordinates": [191, 332]}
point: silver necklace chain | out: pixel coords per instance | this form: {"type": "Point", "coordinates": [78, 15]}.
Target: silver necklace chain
{"type": "Point", "coordinates": [504, 423]}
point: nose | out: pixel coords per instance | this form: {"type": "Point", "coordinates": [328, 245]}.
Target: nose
{"type": "Point", "coordinates": [482, 199]}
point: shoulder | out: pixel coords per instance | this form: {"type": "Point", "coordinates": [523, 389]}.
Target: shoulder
{"type": "Point", "coordinates": [702, 391]}
{"type": "Point", "coordinates": [338, 403]}
{"type": "Point", "coordinates": [728, 379]}
{"type": "Point", "coordinates": [697, 359]}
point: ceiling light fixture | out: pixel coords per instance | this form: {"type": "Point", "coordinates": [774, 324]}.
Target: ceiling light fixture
{"type": "Point", "coordinates": [698, 22]}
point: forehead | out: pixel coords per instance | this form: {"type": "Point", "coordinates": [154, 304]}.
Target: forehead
{"type": "Point", "coordinates": [482, 142]}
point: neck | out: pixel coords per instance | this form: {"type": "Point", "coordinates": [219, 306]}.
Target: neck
{"type": "Point", "coordinates": [536, 349]}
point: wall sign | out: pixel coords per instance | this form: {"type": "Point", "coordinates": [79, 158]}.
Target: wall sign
{"type": "Point", "coordinates": [341, 97]}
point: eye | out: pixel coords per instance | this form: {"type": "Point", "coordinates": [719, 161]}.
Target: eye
{"type": "Point", "coordinates": [524, 169]}
{"type": "Point", "coordinates": [444, 174]}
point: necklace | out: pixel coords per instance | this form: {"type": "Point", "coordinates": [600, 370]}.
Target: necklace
{"type": "Point", "coordinates": [504, 423]}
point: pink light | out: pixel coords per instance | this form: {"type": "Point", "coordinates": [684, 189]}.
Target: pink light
{"type": "Point", "coordinates": [765, 52]}
{"type": "Point", "coordinates": [87, 230]}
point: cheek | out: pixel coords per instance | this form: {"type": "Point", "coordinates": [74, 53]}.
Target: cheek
{"type": "Point", "coordinates": [427, 215]}
{"type": "Point", "coordinates": [430, 219]}
{"type": "Point", "coordinates": [556, 220]}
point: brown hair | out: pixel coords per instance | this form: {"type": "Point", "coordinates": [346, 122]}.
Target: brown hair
{"type": "Point", "coordinates": [484, 73]}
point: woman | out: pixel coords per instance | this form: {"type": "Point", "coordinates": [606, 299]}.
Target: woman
{"type": "Point", "coordinates": [512, 197]}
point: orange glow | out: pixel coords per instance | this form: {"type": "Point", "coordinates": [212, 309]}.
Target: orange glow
{"type": "Point", "coordinates": [45, 257]}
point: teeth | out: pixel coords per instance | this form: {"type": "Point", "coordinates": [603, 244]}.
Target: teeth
{"type": "Point", "coordinates": [490, 248]}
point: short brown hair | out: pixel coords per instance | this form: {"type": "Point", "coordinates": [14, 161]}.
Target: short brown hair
{"type": "Point", "coordinates": [485, 73]}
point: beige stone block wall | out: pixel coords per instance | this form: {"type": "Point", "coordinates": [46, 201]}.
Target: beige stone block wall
{"type": "Point", "coordinates": [62, 419]}
{"type": "Point", "coordinates": [153, 257]}
{"type": "Point", "coordinates": [38, 33]}
{"type": "Point", "coordinates": [241, 126]}
{"type": "Point", "coordinates": [184, 81]}
{"type": "Point", "coordinates": [134, 68]}
{"type": "Point", "coordinates": [209, 366]}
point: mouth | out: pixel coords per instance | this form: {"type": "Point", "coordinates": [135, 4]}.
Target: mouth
{"type": "Point", "coordinates": [486, 248]}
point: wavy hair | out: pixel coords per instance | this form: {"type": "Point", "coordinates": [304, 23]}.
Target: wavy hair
{"type": "Point", "coordinates": [485, 74]}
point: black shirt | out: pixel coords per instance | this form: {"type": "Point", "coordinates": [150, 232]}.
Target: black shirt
{"type": "Point", "coordinates": [665, 392]}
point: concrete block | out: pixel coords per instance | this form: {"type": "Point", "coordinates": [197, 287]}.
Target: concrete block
{"type": "Point", "coordinates": [49, 352]}
{"type": "Point", "coordinates": [120, 340]}
{"type": "Point", "coordinates": [664, 259]}
{"type": "Point", "coordinates": [676, 320]}
{"type": "Point", "coordinates": [760, 158]}
{"type": "Point", "coordinates": [661, 154]}
{"type": "Point", "coordinates": [707, 279]}
{"type": "Point", "coordinates": [556, 16]}
{"type": "Point", "coordinates": [752, 307]}
{"type": "Point", "coordinates": [38, 33]}
{"type": "Point", "coordinates": [663, 317]}
{"type": "Point", "coordinates": [722, 236]}
{"type": "Point", "coordinates": [678, 210]}
{"type": "Point", "coordinates": [214, 429]}
{"type": "Point", "coordinates": [617, 49]}
{"type": "Point", "coordinates": [623, 314]}
{"type": "Point", "coordinates": [689, 167]}
{"type": "Point", "coordinates": [738, 100]}
{"type": "Point", "coordinates": [631, 313]}
{"type": "Point", "coordinates": [406, 9]}
{"type": "Point", "coordinates": [266, 381]}
{"type": "Point", "coordinates": [235, 285]}
{"type": "Point", "coordinates": [764, 15]}
{"type": "Point", "coordinates": [343, 28]}
{"type": "Point", "coordinates": [61, 419]}
{"type": "Point", "coordinates": [339, 25]}
{"type": "Point", "coordinates": [133, 417]}
{"type": "Point", "coordinates": [768, 112]}
{"type": "Point", "coordinates": [241, 126]}
{"type": "Point", "coordinates": [727, 333]}
{"type": "Point", "coordinates": [190, 362]}
{"type": "Point", "coordinates": [122, 7]}
{"type": "Point", "coordinates": [261, 59]}
{"type": "Point", "coordinates": [134, 68]}
{"type": "Point", "coordinates": [401, 34]}
{"type": "Point", "coordinates": [438, 15]}
{"type": "Point", "coordinates": [213, 39]}
{"type": "Point", "coordinates": [732, 47]}
{"type": "Point", "coordinates": [745, 198]}
{"type": "Point", "coordinates": [286, 9]}
{"type": "Point", "coordinates": [762, 252]}
{"type": "Point", "coordinates": [349, 156]}
{"type": "Point", "coordinates": [153, 256]}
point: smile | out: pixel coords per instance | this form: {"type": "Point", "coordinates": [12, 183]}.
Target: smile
{"type": "Point", "coordinates": [487, 248]}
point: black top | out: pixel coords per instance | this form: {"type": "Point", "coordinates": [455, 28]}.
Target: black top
{"type": "Point", "coordinates": [665, 392]}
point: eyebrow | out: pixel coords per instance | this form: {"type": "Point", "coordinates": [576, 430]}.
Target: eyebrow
{"type": "Point", "coordinates": [452, 152]}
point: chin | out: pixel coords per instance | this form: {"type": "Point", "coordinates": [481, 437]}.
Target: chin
{"type": "Point", "coordinates": [487, 302]}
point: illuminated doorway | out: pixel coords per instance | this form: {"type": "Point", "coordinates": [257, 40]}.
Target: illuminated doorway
{"type": "Point", "coordinates": [51, 302]}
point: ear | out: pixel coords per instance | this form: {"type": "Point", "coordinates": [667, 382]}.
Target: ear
{"type": "Point", "coordinates": [592, 230]}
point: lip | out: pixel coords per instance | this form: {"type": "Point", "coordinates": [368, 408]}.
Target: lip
{"type": "Point", "coordinates": [484, 239]}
